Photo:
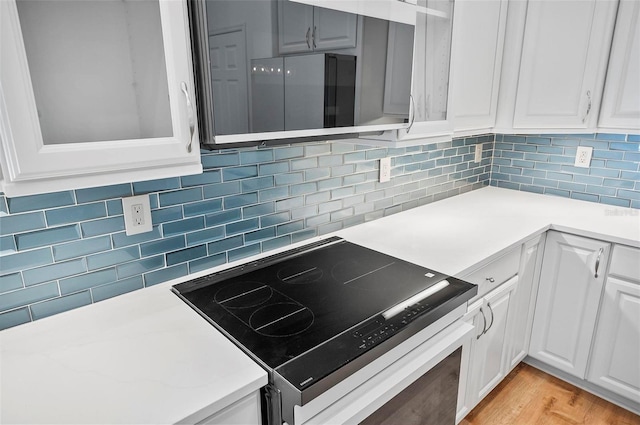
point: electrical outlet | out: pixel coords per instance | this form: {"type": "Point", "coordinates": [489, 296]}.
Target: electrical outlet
{"type": "Point", "coordinates": [385, 169]}
{"type": "Point", "coordinates": [137, 214]}
{"type": "Point", "coordinates": [583, 156]}
{"type": "Point", "coordinates": [478, 153]}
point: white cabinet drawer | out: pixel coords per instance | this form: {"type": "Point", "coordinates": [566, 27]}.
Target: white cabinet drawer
{"type": "Point", "coordinates": [625, 262]}
{"type": "Point", "coordinates": [495, 273]}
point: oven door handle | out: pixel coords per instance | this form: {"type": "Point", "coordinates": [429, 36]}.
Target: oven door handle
{"type": "Point", "coordinates": [273, 401]}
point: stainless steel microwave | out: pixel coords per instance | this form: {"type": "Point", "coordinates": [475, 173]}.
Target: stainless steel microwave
{"type": "Point", "coordinates": [273, 71]}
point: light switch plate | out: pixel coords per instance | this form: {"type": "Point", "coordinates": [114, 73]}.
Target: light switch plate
{"type": "Point", "coordinates": [137, 214]}
{"type": "Point", "coordinates": [583, 156]}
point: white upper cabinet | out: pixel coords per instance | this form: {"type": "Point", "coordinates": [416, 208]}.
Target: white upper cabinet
{"type": "Point", "coordinates": [563, 49]}
{"type": "Point", "coordinates": [305, 28]}
{"type": "Point", "coordinates": [621, 100]}
{"type": "Point", "coordinates": [95, 93]}
{"type": "Point", "coordinates": [476, 60]}
{"type": "Point", "coordinates": [429, 109]}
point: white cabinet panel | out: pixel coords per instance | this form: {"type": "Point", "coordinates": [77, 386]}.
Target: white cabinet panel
{"type": "Point", "coordinates": [295, 23]}
{"type": "Point", "coordinates": [523, 302]}
{"type": "Point", "coordinates": [95, 93]}
{"type": "Point", "coordinates": [615, 362]}
{"type": "Point", "coordinates": [569, 292]}
{"type": "Point", "coordinates": [489, 354]}
{"type": "Point", "coordinates": [333, 29]}
{"type": "Point", "coordinates": [304, 28]}
{"type": "Point", "coordinates": [242, 412]}
{"type": "Point", "coordinates": [621, 100]}
{"type": "Point", "coordinates": [563, 64]}
{"type": "Point", "coordinates": [476, 59]}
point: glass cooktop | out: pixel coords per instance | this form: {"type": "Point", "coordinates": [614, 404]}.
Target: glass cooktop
{"type": "Point", "coordinates": [283, 306]}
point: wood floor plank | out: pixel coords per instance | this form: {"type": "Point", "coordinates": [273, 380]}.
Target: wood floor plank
{"type": "Point", "coordinates": [528, 396]}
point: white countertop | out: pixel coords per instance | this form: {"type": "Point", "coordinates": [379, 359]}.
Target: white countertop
{"type": "Point", "coordinates": [464, 232]}
{"type": "Point", "coordinates": [146, 357]}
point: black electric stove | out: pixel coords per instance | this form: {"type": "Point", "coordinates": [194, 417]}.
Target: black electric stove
{"type": "Point", "coordinates": [307, 315]}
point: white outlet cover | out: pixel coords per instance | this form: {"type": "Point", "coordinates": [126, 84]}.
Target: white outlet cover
{"type": "Point", "coordinates": [385, 169]}
{"type": "Point", "coordinates": [583, 156]}
{"type": "Point", "coordinates": [127, 209]}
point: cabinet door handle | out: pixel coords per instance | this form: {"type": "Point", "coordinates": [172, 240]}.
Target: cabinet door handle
{"type": "Point", "coordinates": [183, 87]}
{"type": "Point", "coordinates": [484, 324]}
{"type": "Point", "coordinates": [412, 112]}
{"type": "Point", "coordinates": [490, 279]}
{"type": "Point", "coordinates": [588, 106]}
{"type": "Point", "coordinates": [490, 324]}
{"type": "Point", "coordinates": [313, 37]}
{"type": "Point", "coordinates": [600, 251]}
{"type": "Point", "coordinates": [307, 37]}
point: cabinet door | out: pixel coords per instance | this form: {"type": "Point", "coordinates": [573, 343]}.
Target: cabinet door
{"type": "Point", "coordinates": [295, 26]}
{"type": "Point", "coordinates": [243, 412]}
{"type": "Point", "coordinates": [621, 99]}
{"type": "Point", "coordinates": [333, 29]}
{"type": "Point", "coordinates": [92, 89]}
{"type": "Point", "coordinates": [563, 63]}
{"type": "Point", "coordinates": [568, 299]}
{"type": "Point", "coordinates": [466, 397]}
{"type": "Point", "coordinates": [490, 349]}
{"type": "Point", "coordinates": [432, 58]}
{"type": "Point", "coordinates": [521, 315]}
{"type": "Point", "coordinates": [476, 59]}
{"type": "Point", "coordinates": [615, 363]}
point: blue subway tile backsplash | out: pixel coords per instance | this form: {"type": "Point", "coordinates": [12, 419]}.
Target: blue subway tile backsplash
{"type": "Point", "coordinates": [65, 251]}
{"type": "Point", "coordinates": [548, 166]}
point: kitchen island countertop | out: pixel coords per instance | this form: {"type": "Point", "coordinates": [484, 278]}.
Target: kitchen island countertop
{"type": "Point", "coordinates": [146, 357]}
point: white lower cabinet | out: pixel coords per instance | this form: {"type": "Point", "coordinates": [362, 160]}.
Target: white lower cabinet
{"type": "Point", "coordinates": [246, 411]}
{"type": "Point", "coordinates": [521, 315]}
{"type": "Point", "coordinates": [615, 360]}
{"type": "Point", "coordinates": [490, 316]}
{"type": "Point", "coordinates": [489, 354]}
{"type": "Point", "coordinates": [571, 281]}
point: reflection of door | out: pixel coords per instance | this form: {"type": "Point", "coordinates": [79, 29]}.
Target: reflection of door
{"type": "Point", "coordinates": [228, 62]}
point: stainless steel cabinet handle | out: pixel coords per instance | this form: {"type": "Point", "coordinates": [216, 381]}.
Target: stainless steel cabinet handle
{"type": "Point", "coordinates": [490, 279]}
{"type": "Point", "coordinates": [588, 106]}
{"type": "Point", "coordinates": [600, 251]}
{"type": "Point", "coordinates": [183, 87]}
{"type": "Point", "coordinates": [490, 324]}
{"type": "Point", "coordinates": [484, 324]}
{"type": "Point", "coordinates": [307, 37]}
{"type": "Point", "coordinates": [313, 37]}
{"type": "Point", "coordinates": [412, 113]}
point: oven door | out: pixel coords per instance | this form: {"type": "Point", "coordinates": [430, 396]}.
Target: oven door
{"type": "Point", "coordinates": [420, 376]}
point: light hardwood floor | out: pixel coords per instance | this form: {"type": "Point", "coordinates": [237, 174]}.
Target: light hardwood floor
{"type": "Point", "coordinates": [529, 396]}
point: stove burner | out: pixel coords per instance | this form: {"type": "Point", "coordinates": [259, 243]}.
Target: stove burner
{"type": "Point", "coordinates": [350, 272]}
{"type": "Point", "coordinates": [243, 294]}
{"type": "Point", "coordinates": [281, 319]}
{"type": "Point", "coordinates": [299, 273]}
